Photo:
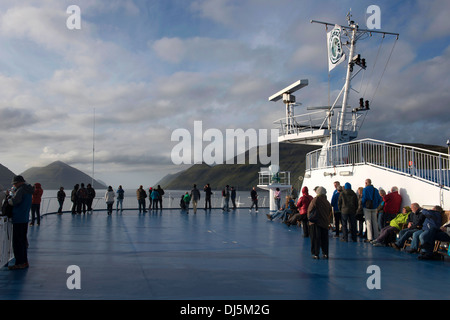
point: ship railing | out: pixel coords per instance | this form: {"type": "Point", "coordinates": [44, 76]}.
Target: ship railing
{"type": "Point", "coordinates": [265, 178]}
{"type": "Point", "coordinates": [421, 163]}
{"type": "Point", "coordinates": [301, 123]}
{"type": "Point", "coordinates": [6, 250]}
{"type": "Point", "coordinates": [50, 205]}
{"type": "Point", "coordinates": [317, 120]}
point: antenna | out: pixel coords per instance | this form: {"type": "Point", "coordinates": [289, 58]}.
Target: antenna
{"type": "Point", "coordinates": [289, 100]}
{"type": "Point", "coordinates": [93, 150]}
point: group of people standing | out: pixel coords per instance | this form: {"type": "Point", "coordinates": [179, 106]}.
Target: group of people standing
{"type": "Point", "coordinates": [228, 193]}
{"type": "Point", "coordinates": [155, 198]}
{"type": "Point", "coordinates": [194, 196]}
{"type": "Point", "coordinates": [81, 197]}
{"type": "Point", "coordinates": [382, 213]}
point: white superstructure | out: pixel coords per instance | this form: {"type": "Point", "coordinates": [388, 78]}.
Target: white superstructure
{"type": "Point", "coordinates": [422, 176]}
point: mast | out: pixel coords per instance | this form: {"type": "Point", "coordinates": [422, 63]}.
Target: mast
{"type": "Point", "coordinates": [349, 75]}
{"type": "Point", "coordinates": [354, 33]}
{"type": "Point", "coordinates": [315, 128]}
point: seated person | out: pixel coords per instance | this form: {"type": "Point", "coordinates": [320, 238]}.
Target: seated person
{"type": "Point", "coordinates": [186, 200]}
{"type": "Point", "coordinates": [182, 204]}
{"type": "Point", "coordinates": [414, 223]}
{"type": "Point", "coordinates": [285, 211]}
{"type": "Point", "coordinates": [441, 234]}
{"type": "Point", "coordinates": [302, 208]}
{"type": "Point", "coordinates": [431, 224]}
{"type": "Point", "coordinates": [388, 234]}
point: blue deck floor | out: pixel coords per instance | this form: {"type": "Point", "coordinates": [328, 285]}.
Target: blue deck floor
{"type": "Point", "coordinates": [207, 256]}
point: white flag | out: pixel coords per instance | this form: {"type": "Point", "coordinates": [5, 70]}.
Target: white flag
{"type": "Point", "coordinates": [335, 52]}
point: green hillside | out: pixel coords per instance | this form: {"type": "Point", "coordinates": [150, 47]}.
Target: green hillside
{"type": "Point", "coordinates": [242, 176]}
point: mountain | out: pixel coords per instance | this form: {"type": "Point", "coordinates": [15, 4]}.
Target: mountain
{"type": "Point", "coordinates": [242, 176]}
{"type": "Point", "coordinates": [58, 174]}
{"type": "Point", "coordinates": [245, 176]}
{"type": "Point", "coordinates": [6, 177]}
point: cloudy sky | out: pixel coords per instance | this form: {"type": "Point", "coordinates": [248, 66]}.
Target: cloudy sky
{"type": "Point", "coordinates": [147, 68]}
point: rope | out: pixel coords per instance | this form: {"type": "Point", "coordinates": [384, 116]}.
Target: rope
{"type": "Point", "coordinates": [375, 63]}
{"type": "Point", "coordinates": [384, 70]}
{"type": "Point", "coordinates": [385, 67]}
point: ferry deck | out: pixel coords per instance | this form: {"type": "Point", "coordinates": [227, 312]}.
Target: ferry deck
{"type": "Point", "coordinates": [210, 255]}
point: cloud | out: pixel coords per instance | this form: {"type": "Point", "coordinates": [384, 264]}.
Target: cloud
{"type": "Point", "coordinates": [148, 70]}
{"type": "Point", "coordinates": [221, 11]}
{"type": "Point", "coordinates": [15, 118]}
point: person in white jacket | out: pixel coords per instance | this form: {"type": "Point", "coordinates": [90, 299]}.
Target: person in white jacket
{"type": "Point", "coordinates": [109, 198]}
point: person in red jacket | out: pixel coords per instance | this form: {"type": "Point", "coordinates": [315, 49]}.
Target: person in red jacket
{"type": "Point", "coordinates": [36, 204]}
{"type": "Point", "coordinates": [392, 206]}
{"type": "Point", "coordinates": [302, 205]}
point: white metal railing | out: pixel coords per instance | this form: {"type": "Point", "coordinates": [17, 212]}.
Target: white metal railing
{"type": "Point", "coordinates": [6, 251]}
{"type": "Point", "coordinates": [424, 164]}
{"type": "Point", "coordinates": [317, 120]}
{"type": "Point", "coordinates": [281, 177]}
{"type": "Point", "coordinates": [305, 122]}
{"type": "Point", "coordinates": [50, 205]}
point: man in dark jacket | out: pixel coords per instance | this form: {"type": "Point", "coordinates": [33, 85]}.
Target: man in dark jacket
{"type": "Point", "coordinates": [208, 194]}
{"type": "Point", "coordinates": [414, 223]}
{"type": "Point", "coordinates": [254, 196]}
{"type": "Point", "coordinates": [431, 225]}
{"type": "Point", "coordinates": [21, 202]}
{"type": "Point", "coordinates": [90, 197]}
{"type": "Point", "coordinates": [348, 204]}
{"type": "Point", "coordinates": [195, 196]}
{"type": "Point", "coordinates": [318, 228]}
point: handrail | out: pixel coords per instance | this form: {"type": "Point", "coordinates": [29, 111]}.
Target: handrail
{"type": "Point", "coordinates": [6, 251]}
{"type": "Point", "coordinates": [50, 205]}
{"type": "Point", "coordinates": [281, 177]}
{"type": "Point", "coordinates": [425, 164]}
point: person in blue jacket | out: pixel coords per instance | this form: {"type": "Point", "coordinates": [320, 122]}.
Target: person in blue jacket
{"type": "Point", "coordinates": [370, 200]}
{"type": "Point", "coordinates": [21, 202]}
{"type": "Point", "coordinates": [431, 225]}
{"type": "Point", "coordinates": [334, 204]}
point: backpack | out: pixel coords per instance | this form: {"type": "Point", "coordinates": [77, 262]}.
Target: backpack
{"type": "Point", "coordinates": [224, 193]}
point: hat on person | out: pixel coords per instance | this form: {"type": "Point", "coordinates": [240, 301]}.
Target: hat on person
{"type": "Point", "coordinates": [17, 179]}
{"type": "Point", "coordinates": [347, 186]}
{"type": "Point", "coordinates": [321, 190]}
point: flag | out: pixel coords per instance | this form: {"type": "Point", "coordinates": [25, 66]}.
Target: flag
{"type": "Point", "coordinates": [335, 51]}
